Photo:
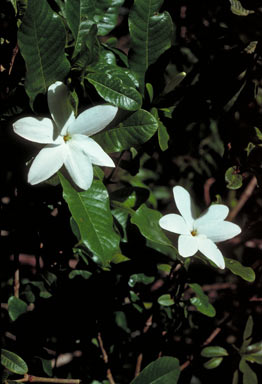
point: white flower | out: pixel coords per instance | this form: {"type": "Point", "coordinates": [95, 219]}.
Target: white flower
{"type": "Point", "coordinates": [202, 233]}
{"type": "Point", "coordinates": [67, 139]}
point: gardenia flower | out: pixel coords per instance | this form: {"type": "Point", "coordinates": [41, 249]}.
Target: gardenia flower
{"type": "Point", "coordinates": [67, 139]}
{"type": "Point", "coordinates": [202, 233]}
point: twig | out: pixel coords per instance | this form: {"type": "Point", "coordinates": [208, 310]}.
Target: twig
{"type": "Point", "coordinates": [140, 356]}
{"type": "Point", "coordinates": [212, 336]}
{"type": "Point", "coordinates": [138, 364]}
{"type": "Point", "coordinates": [35, 379]}
{"type": "Point", "coordinates": [207, 186]}
{"type": "Point", "coordinates": [15, 52]}
{"type": "Point", "coordinates": [243, 198]}
{"type": "Point", "coordinates": [16, 275]}
{"type": "Point", "coordinates": [105, 358]}
{"type": "Point", "coordinates": [114, 170]}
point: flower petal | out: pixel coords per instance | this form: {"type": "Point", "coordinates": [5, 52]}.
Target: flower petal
{"type": "Point", "coordinates": [93, 150]}
{"type": "Point", "coordinates": [79, 166]}
{"type": "Point", "coordinates": [38, 130]}
{"type": "Point", "coordinates": [174, 223]}
{"type": "Point", "coordinates": [187, 245]}
{"type": "Point", "coordinates": [210, 250]}
{"type": "Point", "coordinates": [216, 212]}
{"type": "Point", "coordinates": [184, 205]}
{"type": "Point", "coordinates": [48, 161]}
{"type": "Point", "coordinates": [219, 231]}
{"type": "Point", "coordinates": [59, 107]}
{"type": "Point", "coordinates": [93, 120]}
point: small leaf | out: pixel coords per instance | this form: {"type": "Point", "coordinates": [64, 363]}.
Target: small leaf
{"type": "Point", "coordinates": [165, 300]}
{"type": "Point", "coordinates": [249, 376]}
{"type": "Point", "coordinates": [79, 272]}
{"type": "Point", "coordinates": [13, 362]}
{"type": "Point", "coordinates": [47, 366]}
{"type": "Point", "coordinates": [135, 130]}
{"type": "Point", "coordinates": [213, 363]}
{"type": "Point", "coordinates": [150, 91]}
{"type": "Point", "coordinates": [238, 9]}
{"type": "Point", "coordinates": [213, 351]}
{"type": "Point", "coordinates": [16, 307]}
{"type": "Point", "coordinates": [140, 278]}
{"type": "Point", "coordinates": [248, 328]}
{"type": "Point", "coordinates": [238, 269]}
{"type": "Point", "coordinates": [147, 221]}
{"type": "Point", "coordinates": [114, 91]}
{"type": "Point", "coordinates": [121, 321]}
{"type": "Point", "coordinates": [41, 39]}
{"type": "Point", "coordinates": [166, 268]}
{"type": "Point", "coordinates": [201, 302]}
{"type": "Point", "coordinates": [164, 370]}
{"type": "Point", "coordinates": [233, 179]}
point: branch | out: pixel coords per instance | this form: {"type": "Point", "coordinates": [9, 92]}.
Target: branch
{"type": "Point", "coordinates": [105, 358]}
{"type": "Point", "coordinates": [243, 198]}
{"type": "Point", "coordinates": [35, 379]}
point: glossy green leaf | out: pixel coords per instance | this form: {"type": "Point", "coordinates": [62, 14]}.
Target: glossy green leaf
{"type": "Point", "coordinates": [13, 362]}
{"type": "Point", "coordinates": [147, 221]}
{"type": "Point", "coordinates": [135, 130]}
{"type": "Point", "coordinates": [165, 300]}
{"type": "Point", "coordinates": [238, 269]}
{"type": "Point", "coordinates": [79, 272]}
{"type": "Point", "coordinates": [140, 278]}
{"type": "Point", "coordinates": [81, 14]}
{"type": "Point", "coordinates": [150, 33]}
{"type": "Point", "coordinates": [214, 351]}
{"type": "Point", "coordinates": [249, 376]}
{"type": "Point", "coordinates": [233, 179]}
{"type": "Point", "coordinates": [213, 363]}
{"type": "Point", "coordinates": [91, 211]}
{"type": "Point", "coordinates": [41, 39]}
{"type": "Point", "coordinates": [201, 301]}
{"type": "Point", "coordinates": [16, 307]}
{"type": "Point", "coordinates": [114, 91]}
{"type": "Point", "coordinates": [164, 370]}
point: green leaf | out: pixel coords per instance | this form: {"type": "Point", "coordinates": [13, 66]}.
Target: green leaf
{"type": "Point", "coordinates": [249, 376]}
{"type": "Point", "coordinates": [82, 14]}
{"type": "Point", "coordinates": [150, 33]}
{"type": "Point", "coordinates": [238, 9]}
{"type": "Point", "coordinates": [238, 269]}
{"type": "Point", "coordinates": [41, 39]}
{"type": "Point", "coordinates": [135, 130]}
{"type": "Point", "coordinates": [140, 278]}
{"type": "Point", "coordinates": [147, 221]}
{"type": "Point", "coordinates": [79, 272]}
{"type": "Point", "coordinates": [16, 307]}
{"type": "Point", "coordinates": [235, 377]}
{"type": "Point", "coordinates": [114, 91]}
{"type": "Point", "coordinates": [91, 211]}
{"type": "Point", "coordinates": [164, 370]}
{"type": "Point", "coordinates": [13, 362]}
{"type": "Point", "coordinates": [165, 300]}
{"type": "Point", "coordinates": [121, 321]}
{"type": "Point", "coordinates": [254, 353]}
{"type": "Point", "coordinates": [233, 179]}
{"type": "Point", "coordinates": [163, 136]}
{"type": "Point", "coordinates": [201, 302]}
{"type": "Point", "coordinates": [213, 351]}
{"type": "Point", "coordinates": [248, 328]}
{"type": "Point", "coordinates": [213, 363]}
{"type": "Point", "coordinates": [47, 366]}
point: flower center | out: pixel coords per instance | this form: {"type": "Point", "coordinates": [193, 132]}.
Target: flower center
{"type": "Point", "coordinates": [194, 232]}
{"type": "Point", "coordinates": [67, 137]}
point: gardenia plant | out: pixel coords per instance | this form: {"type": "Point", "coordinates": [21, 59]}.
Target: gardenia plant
{"type": "Point", "coordinates": [67, 139]}
{"type": "Point", "coordinates": [202, 233]}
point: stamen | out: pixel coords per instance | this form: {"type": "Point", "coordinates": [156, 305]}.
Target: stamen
{"type": "Point", "coordinates": [194, 232]}
{"type": "Point", "coordinates": [66, 138]}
